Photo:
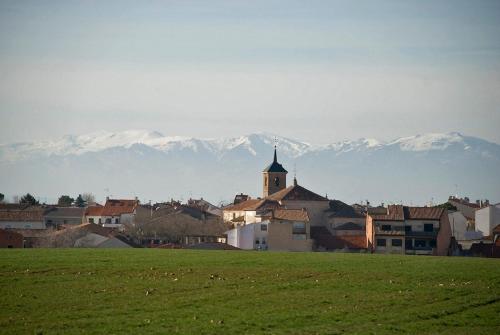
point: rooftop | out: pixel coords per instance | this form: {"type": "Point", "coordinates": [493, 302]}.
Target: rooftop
{"type": "Point", "coordinates": [401, 213]}
{"type": "Point", "coordinates": [296, 192]}
{"type": "Point", "coordinates": [291, 214]}
{"type": "Point", "coordinates": [60, 212]}
{"type": "Point", "coordinates": [115, 207]}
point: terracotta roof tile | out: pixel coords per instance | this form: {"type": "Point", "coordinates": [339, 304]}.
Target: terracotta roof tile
{"type": "Point", "coordinates": [94, 210]}
{"type": "Point", "coordinates": [291, 214]}
{"type": "Point", "coordinates": [253, 205]}
{"type": "Point", "coordinates": [296, 192]}
{"type": "Point", "coordinates": [401, 213]}
{"type": "Point", "coordinates": [394, 213]}
{"type": "Point", "coordinates": [245, 205]}
{"type": "Point", "coordinates": [115, 207]}
{"type": "Point", "coordinates": [22, 215]}
{"type": "Point", "coordinates": [423, 213]}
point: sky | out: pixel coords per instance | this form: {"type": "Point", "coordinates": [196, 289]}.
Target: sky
{"type": "Point", "coordinates": [318, 71]}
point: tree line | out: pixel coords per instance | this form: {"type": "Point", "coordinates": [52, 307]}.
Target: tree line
{"type": "Point", "coordinates": [81, 200]}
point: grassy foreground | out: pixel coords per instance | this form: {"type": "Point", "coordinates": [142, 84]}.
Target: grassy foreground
{"type": "Point", "coordinates": [72, 291]}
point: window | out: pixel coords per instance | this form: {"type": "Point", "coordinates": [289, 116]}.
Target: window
{"type": "Point", "coordinates": [108, 220]}
{"type": "Point", "coordinates": [407, 228]}
{"type": "Point", "coordinates": [263, 227]}
{"type": "Point", "coordinates": [91, 220]}
{"type": "Point", "coordinates": [299, 236]}
{"type": "Point", "coordinates": [408, 243]}
{"type": "Point", "coordinates": [265, 181]}
{"type": "Point", "coordinates": [432, 243]}
{"type": "Point", "coordinates": [257, 241]}
{"type": "Point", "coordinates": [234, 216]}
{"type": "Point", "coordinates": [116, 221]}
{"type": "Point", "coordinates": [100, 221]}
{"type": "Point", "coordinates": [397, 242]}
{"type": "Point", "coordinates": [263, 240]}
{"type": "Point", "coordinates": [429, 227]}
{"type": "Point", "coordinates": [386, 227]}
{"type": "Point", "coordinates": [420, 243]}
{"type": "Point", "coordinates": [299, 228]}
{"type": "Point", "coordinates": [27, 226]}
{"type": "Point", "coordinates": [381, 242]}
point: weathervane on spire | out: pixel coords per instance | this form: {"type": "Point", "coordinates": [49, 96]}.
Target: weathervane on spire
{"type": "Point", "coordinates": [275, 144]}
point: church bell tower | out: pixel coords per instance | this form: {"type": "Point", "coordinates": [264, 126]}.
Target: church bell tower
{"type": "Point", "coordinates": [274, 177]}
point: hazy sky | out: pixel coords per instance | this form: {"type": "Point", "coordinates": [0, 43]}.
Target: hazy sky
{"type": "Point", "coordinates": [319, 71]}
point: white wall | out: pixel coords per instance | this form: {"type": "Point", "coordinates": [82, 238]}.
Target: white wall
{"type": "Point", "coordinates": [487, 218]}
{"type": "Point", "coordinates": [458, 223]}
{"type": "Point", "coordinates": [244, 237]}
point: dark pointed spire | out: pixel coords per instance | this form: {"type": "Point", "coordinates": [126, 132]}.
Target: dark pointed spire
{"type": "Point", "coordinates": [275, 166]}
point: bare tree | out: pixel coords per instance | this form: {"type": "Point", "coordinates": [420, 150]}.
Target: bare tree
{"type": "Point", "coordinates": [88, 198]}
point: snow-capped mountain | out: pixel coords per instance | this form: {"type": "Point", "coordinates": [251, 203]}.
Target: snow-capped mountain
{"type": "Point", "coordinates": [149, 164]}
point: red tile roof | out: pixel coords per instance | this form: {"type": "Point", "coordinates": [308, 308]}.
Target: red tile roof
{"type": "Point", "coordinates": [296, 192]}
{"type": "Point", "coordinates": [244, 206]}
{"type": "Point", "coordinates": [394, 213]}
{"type": "Point", "coordinates": [32, 214]}
{"type": "Point", "coordinates": [116, 207]}
{"type": "Point", "coordinates": [253, 205]}
{"type": "Point", "coordinates": [401, 213]}
{"type": "Point", "coordinates": [291, 214]}
{"type": "Point", "coordinates": [423, 213]}
{"type": "Point", "coordinates": [94, 210]}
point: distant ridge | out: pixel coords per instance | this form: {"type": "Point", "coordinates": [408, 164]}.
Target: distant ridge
{"type": "Point", "coordinates": [414, 169]}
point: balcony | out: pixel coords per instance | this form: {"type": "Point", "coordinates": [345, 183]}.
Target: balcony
{"type": "Point", "coordinates": [398, 231]}
{"type": "Point", "coordinates": [422, 233]}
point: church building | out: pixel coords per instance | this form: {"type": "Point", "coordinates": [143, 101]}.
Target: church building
{"type": "Point", "coordinates": [281, 219]}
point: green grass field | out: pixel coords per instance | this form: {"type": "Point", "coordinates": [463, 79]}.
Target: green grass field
{"type": "Point", "coordinates": [73, 291]}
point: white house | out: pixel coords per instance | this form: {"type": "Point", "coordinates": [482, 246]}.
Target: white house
{"type": "Point", "coordinates": [276, 229]}
{"type": "Point", "coordinates": [487, 218]}
{"type": "Point", "coordinates": [114, 214]}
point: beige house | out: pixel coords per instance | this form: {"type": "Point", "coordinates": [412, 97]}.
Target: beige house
{"type": "Point", "coordinates": [409, 230]}
{"type": "Point", "coordinates": [275, 230]}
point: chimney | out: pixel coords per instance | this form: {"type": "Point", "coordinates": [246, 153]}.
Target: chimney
{"type": "Point", "coordinates": [294, 181]}
{"type": "Point", "coordinates": [107, 198]}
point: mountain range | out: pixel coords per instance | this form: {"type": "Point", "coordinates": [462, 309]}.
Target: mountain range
{"type": "Point", "coordinates": [414, 170]}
